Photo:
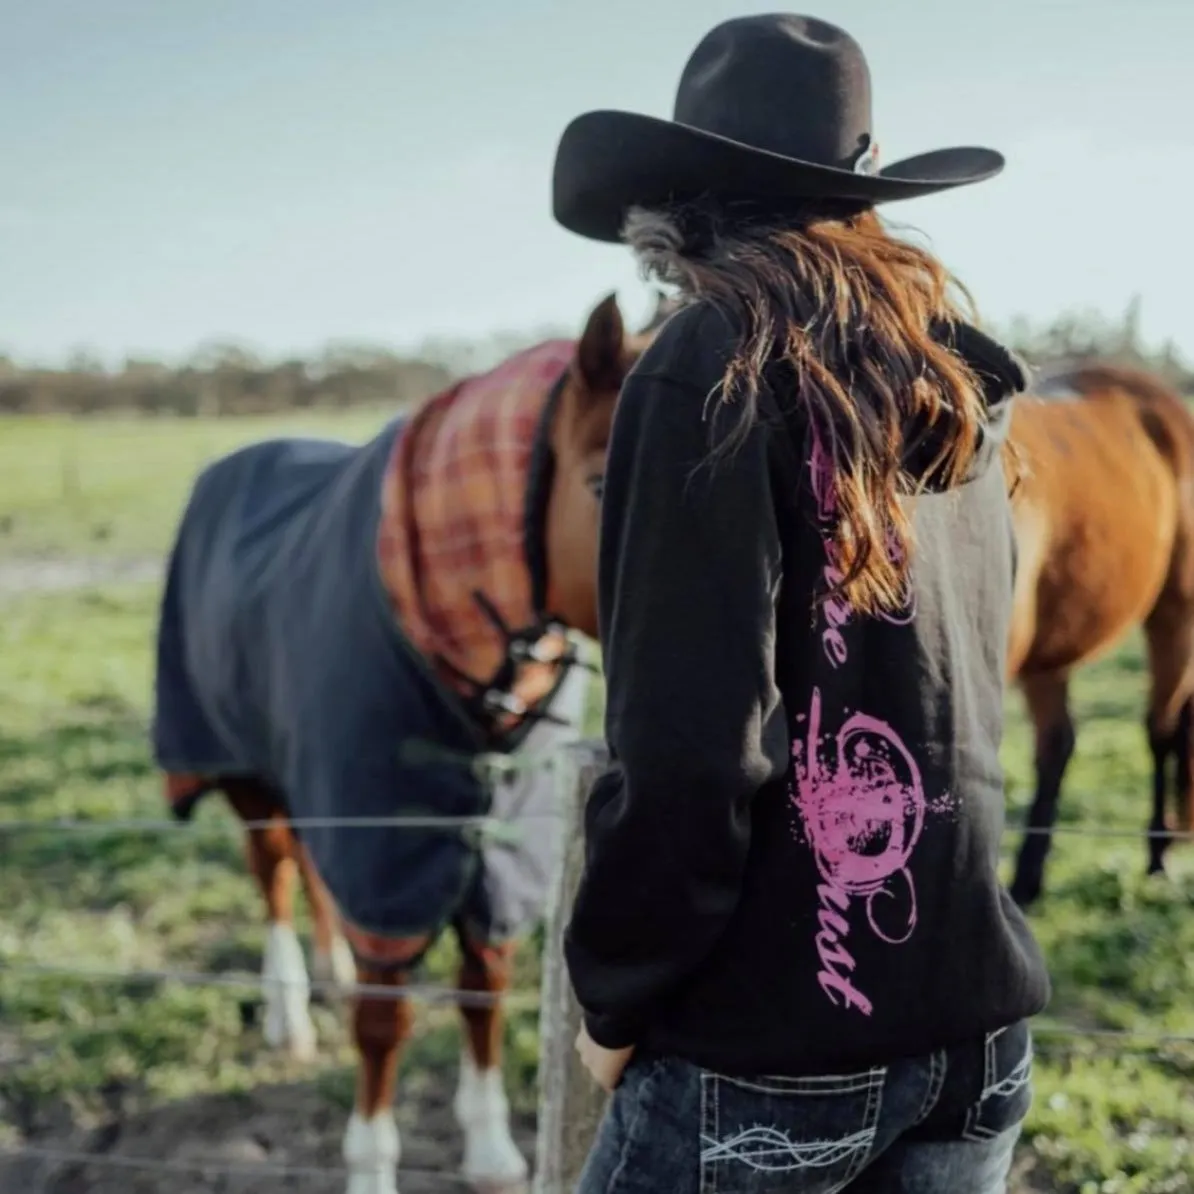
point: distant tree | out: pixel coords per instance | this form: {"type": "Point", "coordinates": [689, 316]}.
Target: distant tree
{"type": "Point", "coordinates": [1084, 335]}
{"type": "Point", "coordinates": [226, 378]}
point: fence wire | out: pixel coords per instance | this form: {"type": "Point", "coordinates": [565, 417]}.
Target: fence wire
{"type": "Point", "coordinates": [227, 825]}
{"type": "Point", "coordinates": [1049, 1035]}
{"type": "Point", "coordinates": [63, 1156]}
{"type": "Point", "coordinates": [1144, 1039]}
{"type": "Point", "coordinates": [486, 825]}
{"type": "Point", "coordinates": [421, 993]}
{"type": "Point", "coordinates": [517, 999]}
{"type": "Point", "coordinates": [77, 1158]}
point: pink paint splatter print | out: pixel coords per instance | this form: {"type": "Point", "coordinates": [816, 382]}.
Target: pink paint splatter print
{"type": "Point", "coordinates": [859, 796]}
{"type": "Point", "coordinates": [863, 809]}
{"type": "Point", "coordinates": [838, 611]}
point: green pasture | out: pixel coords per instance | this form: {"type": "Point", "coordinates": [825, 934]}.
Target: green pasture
{"type": "Point", "coordinates": [1109, 1117]}
{"type": "Point", "coordinates": [114, 487]}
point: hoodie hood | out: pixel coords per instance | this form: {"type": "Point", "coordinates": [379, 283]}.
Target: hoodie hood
{"type": "Point", "coordinates": [1003, 375]}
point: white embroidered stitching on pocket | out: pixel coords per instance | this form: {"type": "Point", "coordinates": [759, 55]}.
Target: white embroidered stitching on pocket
{"type": "Point", "coordinates": [937, 1070]}
{"type": "Point", "coordinates": [830, 1085]}
{"type": "Point", "coordinates": [767, 1149]}
{"type": "Point", "coordinates": [774, 1151]}
{"type": "Point", "coordinates": [1019, 1077]}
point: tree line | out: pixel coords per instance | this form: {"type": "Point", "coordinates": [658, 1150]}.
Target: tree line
{"type": "Point", "coordinates": [1084, 336]}
{"type": "Point", "coordinates": [229, 380]}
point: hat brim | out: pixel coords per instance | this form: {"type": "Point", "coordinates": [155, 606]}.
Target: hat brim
{"type": "Point", "coordinates": [609, 161]}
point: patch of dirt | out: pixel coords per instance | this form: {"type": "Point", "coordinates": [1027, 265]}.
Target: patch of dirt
{"type": "Point", "coordinates": [292, 1125]}
{"type": "Point", "coordinates": [49, 575]}
{"type": "Point", "coordinates": [1026, 1177]}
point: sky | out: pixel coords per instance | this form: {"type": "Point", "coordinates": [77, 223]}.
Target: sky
{"type": "Point", "coordinates": [282, 173]}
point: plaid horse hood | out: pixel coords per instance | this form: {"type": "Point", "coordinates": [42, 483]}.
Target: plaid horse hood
{"type": "Point", "coordinates": [457, 502]}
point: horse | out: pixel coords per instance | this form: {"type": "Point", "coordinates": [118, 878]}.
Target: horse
{"type": "Point", "coordinates": [349, 632]}
{"type": "Point", "coordinates": [1103, 516]}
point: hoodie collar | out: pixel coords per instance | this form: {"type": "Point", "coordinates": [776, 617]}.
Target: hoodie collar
{"type": "Point", "coordinates": [1003, 375]}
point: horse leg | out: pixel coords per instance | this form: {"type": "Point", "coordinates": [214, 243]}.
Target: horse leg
{"type": "Point", "coordinates": [381, 1026]}
{"type": "Point", "coordinates": [1170, 637]}
{"type": "Point", "coordinates": [332, 960]}
{"type": "Point", "coordinates": [1047, 697]}
{"type": "Point", "coordinates": [492, 1161]}
{"type": "Point", "coordinates": [271, 855]}
{"type": "Point", "coordinates": [1185, 767]}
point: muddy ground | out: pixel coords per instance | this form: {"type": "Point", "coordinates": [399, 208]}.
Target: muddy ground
{"type": "Point", "coordinates": [290, 1126]}
{"type": "Point", "coordinates": [273, 1126]}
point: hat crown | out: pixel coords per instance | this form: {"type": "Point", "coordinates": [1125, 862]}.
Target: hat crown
{"type": "Point", "coordinates": [792, 85]}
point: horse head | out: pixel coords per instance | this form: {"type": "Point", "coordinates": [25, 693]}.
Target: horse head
{"type": "Point", "coordinates": [604, 355]}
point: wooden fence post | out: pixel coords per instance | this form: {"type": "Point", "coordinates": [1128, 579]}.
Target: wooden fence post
{"type": "Point", "coordinates": [570, 1102]}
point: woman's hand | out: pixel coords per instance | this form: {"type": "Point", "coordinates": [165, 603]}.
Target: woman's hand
{"type": "Point", "coordinates": [605, 1065]}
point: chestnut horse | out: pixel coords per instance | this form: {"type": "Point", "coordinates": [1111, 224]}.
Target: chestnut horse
{"type": "Point", "coordinates": [1104, 526]}
{"type": "Point", "coordinates": [239, 668]}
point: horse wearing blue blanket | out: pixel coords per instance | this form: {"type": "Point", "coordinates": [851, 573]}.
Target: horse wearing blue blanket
{"type": "Point", "coordinates": [346, 632]}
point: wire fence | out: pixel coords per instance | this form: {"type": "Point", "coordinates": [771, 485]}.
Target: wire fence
{"type": "Point", "coordinates": [416, 992]}
{"type": "Point", "coordinates": [227, 825]}
{"type": "Point", "coordinates": [1046, 1034]}
{"type": "Point", "coordinates": [495, 826]}
{"type": "Point", "coordinates": [75, 1159]}
{"type": "Point", "coordinates": [179, 1168]}
{"type": "Point", "coordinates": [517, 999]}
{"type": "Point", "coordinates": [1050, 1036]}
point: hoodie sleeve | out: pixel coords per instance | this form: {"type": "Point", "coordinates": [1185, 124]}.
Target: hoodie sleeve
{"type": "Point", "coordinates": [689, 575]}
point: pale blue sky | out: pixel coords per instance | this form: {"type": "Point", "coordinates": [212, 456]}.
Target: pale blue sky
{"type": "Point", "coordinates": [284, 172]}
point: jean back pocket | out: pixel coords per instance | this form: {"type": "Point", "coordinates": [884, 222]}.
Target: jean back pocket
{"type": "Point", "coordinates": [764, 1135]}
{"type": "Point", "coordinates": [1006, 1093]}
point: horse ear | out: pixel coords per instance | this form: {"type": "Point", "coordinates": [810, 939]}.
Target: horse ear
{"type": "Point", "coordinates": [599, 355]}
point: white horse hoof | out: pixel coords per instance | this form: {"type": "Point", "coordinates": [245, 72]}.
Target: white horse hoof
{"type": "Point", "coordinates": [492, 1185]}
{"type": "Point", "coordinates": [372, 1183]}
{"type": "Point", "coordinates": [371, 1150]}
{"type": "Point", "coordinates": [489, 1186]}
{"type": "Point", "coordinates": [493, 1163]}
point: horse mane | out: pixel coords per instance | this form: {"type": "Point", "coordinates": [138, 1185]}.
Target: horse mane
{"type": "Point", "coordinates": [1098, 376]}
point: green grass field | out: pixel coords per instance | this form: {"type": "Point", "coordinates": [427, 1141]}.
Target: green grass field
{"type": "Point", "coordinates": [75, 672]}
{"type": "Point", "coordinates": [114, 487]}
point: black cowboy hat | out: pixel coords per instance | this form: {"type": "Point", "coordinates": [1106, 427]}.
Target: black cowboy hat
{"type": "Point", "coordinates": [773, 108]}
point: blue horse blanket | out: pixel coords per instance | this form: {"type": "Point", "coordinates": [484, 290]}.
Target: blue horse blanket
{"type": "Point", "coordinates": [279, 657]}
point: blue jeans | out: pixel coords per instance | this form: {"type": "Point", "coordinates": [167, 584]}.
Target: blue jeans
{"type": "Point", "coordinates": [946, 1123]}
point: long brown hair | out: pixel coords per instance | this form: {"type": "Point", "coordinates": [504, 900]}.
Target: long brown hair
{"type": "Point", "coordinates": [848, 310]}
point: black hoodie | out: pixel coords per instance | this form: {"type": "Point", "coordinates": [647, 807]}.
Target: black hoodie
{"type": "Point", "coordinates": [791, 861]}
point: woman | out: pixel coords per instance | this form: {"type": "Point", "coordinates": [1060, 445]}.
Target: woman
{"type": "Point", "coordinates": [797, 966]}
